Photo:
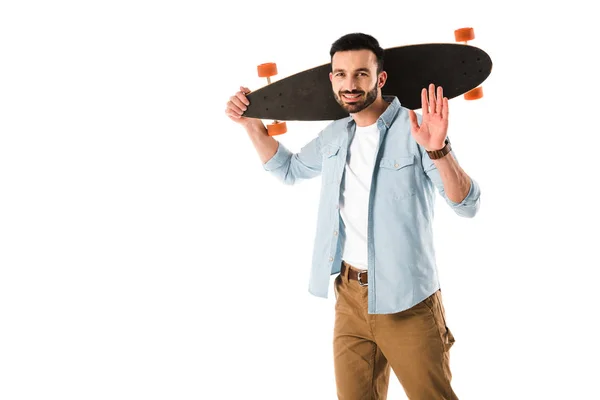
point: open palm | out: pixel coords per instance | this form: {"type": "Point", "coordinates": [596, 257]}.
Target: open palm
{"type": "Point", "coordinates": [431, 134]}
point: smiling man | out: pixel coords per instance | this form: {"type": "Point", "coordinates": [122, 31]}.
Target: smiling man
{"type": "Point", "coordinates": [380, 168]}
{"type": "Point", "coordinates": [352, 99]}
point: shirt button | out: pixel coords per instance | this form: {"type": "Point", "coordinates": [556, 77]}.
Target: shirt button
{"type": "Point", "coordinates": [330, 258]}
{"type": "Point", "coordinates": [395, 165]}
{"type": "Point", "coordinates": [335, 233]}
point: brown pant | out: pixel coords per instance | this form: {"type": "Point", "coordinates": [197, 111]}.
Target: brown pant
{"type": "Point", "coordinates": [415, 343]}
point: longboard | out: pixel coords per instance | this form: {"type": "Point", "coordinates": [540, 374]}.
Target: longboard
{"type": "Point", "coordinates": [308, 96]}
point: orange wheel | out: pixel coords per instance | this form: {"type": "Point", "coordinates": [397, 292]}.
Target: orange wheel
{"type": "Point", "coordinates": [276, 128]}
{"type": "Point", "coordinates": [474, 94]}
{"type": "Point", "coordinates": [464, 34]}
{"type": "Point", "coordinates": [266, 70]}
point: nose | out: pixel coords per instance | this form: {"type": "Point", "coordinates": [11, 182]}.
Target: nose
{"type": "Point", "coordinates": [350, 84]}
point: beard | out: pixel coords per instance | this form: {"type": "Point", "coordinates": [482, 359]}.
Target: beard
{"type": "Point", "coordinates": [360, 104]}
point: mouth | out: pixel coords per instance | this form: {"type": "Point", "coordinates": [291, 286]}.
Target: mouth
{"type": "Point", "coordinates": [351, 98]}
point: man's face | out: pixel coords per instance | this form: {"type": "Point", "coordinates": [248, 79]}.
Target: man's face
{"type": "Point", "coordinates": [354, 79]}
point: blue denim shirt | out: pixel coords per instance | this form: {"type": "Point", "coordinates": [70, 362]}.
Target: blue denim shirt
{"type": "Point", "coordinates": [402, 268]}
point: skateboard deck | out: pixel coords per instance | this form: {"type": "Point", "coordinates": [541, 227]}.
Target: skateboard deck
{"type": "Point", "coordinates": [308, 95]}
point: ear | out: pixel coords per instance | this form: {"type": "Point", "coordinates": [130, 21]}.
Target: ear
{"type": "Point", "coordinates": [330, 77]}
{"type": "Point", "coordinates": [381, 79]}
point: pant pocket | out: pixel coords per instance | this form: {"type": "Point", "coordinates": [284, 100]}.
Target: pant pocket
{"type": "Point", "coordinates": [448, 339]}
{"type": "Point", "coordinates": [440, 314]}
{"type": "Point", "coordinates": [336, 282]}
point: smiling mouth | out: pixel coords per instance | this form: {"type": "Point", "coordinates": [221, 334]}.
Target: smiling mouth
{"type": "Point", "coordinates": [351, 97]}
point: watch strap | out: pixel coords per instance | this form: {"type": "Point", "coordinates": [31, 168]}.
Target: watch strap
{"type": "Point", "coordinates": [437, 154]}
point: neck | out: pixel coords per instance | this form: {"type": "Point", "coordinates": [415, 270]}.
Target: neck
{"type": "Point", "coordinates": [369, 115]}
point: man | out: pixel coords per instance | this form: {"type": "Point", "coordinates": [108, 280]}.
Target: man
{"type": "Point", "coordinates": [379, 167]}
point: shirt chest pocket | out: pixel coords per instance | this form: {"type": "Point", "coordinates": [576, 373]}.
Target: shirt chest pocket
{"type": "Point", "coordinates": [397, 176]}
{"type": "Point", "coordinates": [331, 162]}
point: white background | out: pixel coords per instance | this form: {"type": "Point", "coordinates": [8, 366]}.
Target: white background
{"type": "Point", "coordinates": [145, 254]}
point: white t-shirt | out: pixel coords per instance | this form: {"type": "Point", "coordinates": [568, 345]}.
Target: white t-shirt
{"type": "Point", "coordinates": [354, 195]}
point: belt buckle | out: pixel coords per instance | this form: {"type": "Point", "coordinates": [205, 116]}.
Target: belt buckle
{"type": "Point", "coordinates": [359, 281]}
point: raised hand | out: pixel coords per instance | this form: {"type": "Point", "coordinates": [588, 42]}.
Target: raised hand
{"type": "Point", "coordinates": [431, 134]}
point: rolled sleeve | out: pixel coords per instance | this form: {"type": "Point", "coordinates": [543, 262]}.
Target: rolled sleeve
{"type": "Point", "coordinates": [290, 167]}
{"type": "Point", "coordinates": [280, 158]}
{"type": "Point", "coordinates": [469, 206]}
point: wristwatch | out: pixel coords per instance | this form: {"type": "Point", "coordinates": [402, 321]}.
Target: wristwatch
{"type": "Point", "coordinates": [437, 154]}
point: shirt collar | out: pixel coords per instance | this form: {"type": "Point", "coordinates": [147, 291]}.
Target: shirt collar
{"type": "Point", "coordinates": [387, 117]}
{"type": "Point", "coordinates": [390, 113]}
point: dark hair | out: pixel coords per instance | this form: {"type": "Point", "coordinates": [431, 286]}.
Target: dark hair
{"type": "Point", "coordinates": [359, 41]}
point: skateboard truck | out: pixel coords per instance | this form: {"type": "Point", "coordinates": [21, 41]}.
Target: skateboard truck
{"type": "Point", "coordinates": [268, 70]}
{"type": "Point", "coordinates": [464, 35]}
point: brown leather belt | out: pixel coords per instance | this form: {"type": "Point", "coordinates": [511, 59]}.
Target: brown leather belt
{"type": "Point", "coordinates": [357, 275]}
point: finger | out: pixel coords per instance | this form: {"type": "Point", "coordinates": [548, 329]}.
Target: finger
{"type": "Point", "coordinates": [233, 109]}
{"type": "Point", "coordinates": [242, 95]}
{"type": "Point", "coordinates": [432, 98]}
{"type": "Point", "coordinates": [439, 102]}
{"type": "Point", "coordinates": [231, 114]}
{"type": "Point", "coordinates": [242, 98]}
{"type": "Point", "coordinates": [245, 92]}
{"type": "Point", "coordinates": [238, 103]}
{"type": "Point", "coordinates": [424, 105]}
{"type": "Point", "coordinates": [413, 120]}
{"type": "Point", "coordinates": [445, 109]}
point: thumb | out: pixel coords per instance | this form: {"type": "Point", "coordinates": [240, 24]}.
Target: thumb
{"type": "Point", "coordinates": [413, 120]}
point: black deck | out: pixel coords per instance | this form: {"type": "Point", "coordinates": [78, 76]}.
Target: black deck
{"type": "Point", "coordinates": [308, 96]}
